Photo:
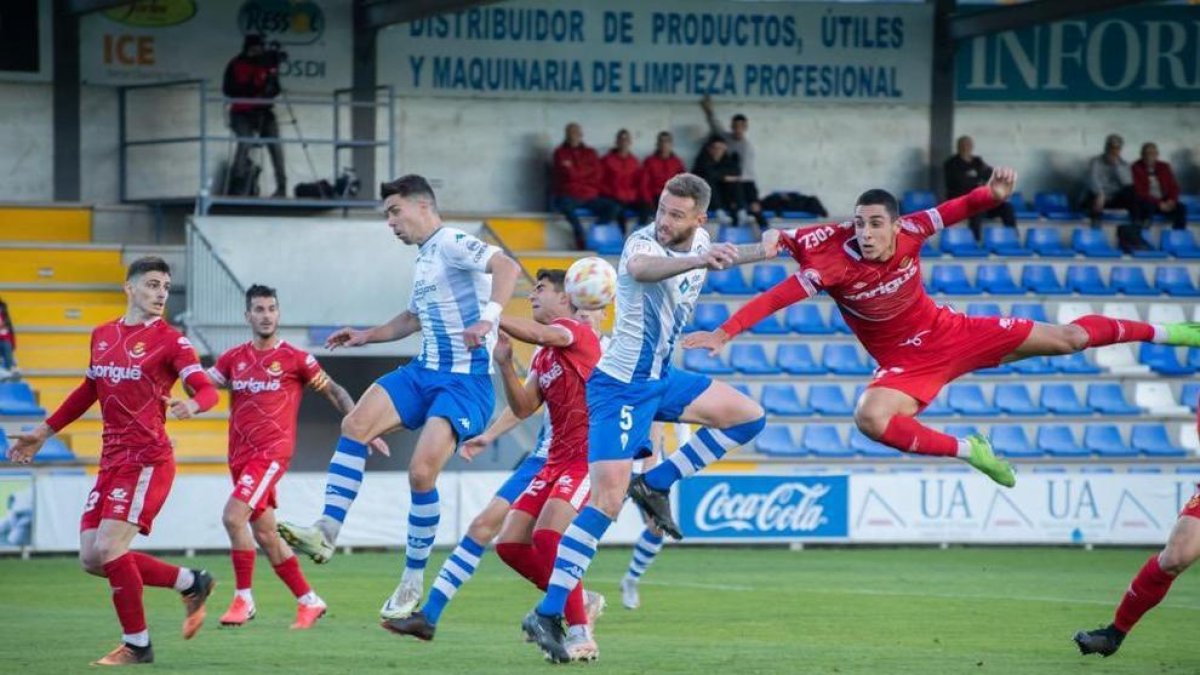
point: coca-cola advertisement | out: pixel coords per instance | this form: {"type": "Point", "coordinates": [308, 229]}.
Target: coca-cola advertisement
{"type": "Point", "coordinates": [764, 507]}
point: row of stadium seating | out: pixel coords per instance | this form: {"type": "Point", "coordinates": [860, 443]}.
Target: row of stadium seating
{"type": "Point", "coordinates": [1046, 205]}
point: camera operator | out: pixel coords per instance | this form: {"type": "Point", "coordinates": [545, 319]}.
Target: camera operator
{"type": "Point", "coordinates": [254, 73]}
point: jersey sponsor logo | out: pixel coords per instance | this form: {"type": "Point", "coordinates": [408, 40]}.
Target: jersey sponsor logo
{"type": "Point", "coordinates": [241, 366]}
{"type": "Point", "coordinates": [547, 378]}
{"type": "Point", "coordinates": [887, 288]}
{"type": "Point", "coordinates": [119, 495]}
{"type": "Point", "coordinates": [422, 288]}
{"type": "Point", "coordinates": [859, 285]}
{"type": "Point", "coordinates": [916, 340]}
{"type": "Point", "coordinates": [138, 351]}
{"type": "Point", "coordinates": [114, 373]}
{"type": "Point", "coordinates": [787, 507]}
{"type": "Point", "coordinates": [102, 346]}
{"type": "Point", "coordinates": [275, 369]}
{"type": "Point", "coordinates": [254, 386]}
{"type": "Point", "coordinates": [814, 238]}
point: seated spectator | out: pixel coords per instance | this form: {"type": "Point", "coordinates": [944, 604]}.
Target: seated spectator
{"type": "Point", "coordinates": [1156, 189]}
{"type": "Point", "coordinates": [1110, 186]}
{"type": "Point", "coordinates": [721, 169]}
{"type": "Point", "coordinates": [659, 168]}
{"type": "Point", "coordinates": [739, 143]}
{"type": "Point", "coordinates": [966, 171]}
{"type": "Point", "coordinates": [622, 179]}
{"type": "Point", "coordinates": [577, 179]}
{"type": "Point", "coordinates": [8, 343]}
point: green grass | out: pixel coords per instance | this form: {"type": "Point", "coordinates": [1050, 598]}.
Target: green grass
{"type": "Point", "coordinates": [877, 611]}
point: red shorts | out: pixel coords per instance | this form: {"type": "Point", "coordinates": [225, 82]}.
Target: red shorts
{"type": "Point", "coordinates": [133, 493]}
{"type": "Point", "coordinates": [568, 482]}
{"type": "Point", "coordinates": [254, 482]}
{"type": "Point", "coordinates": [1192, 508]}
{"type": "Point", "coordinates": [955, 345]}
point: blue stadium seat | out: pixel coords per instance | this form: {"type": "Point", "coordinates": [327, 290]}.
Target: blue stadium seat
{"type": "Point", "coordinates": [1190, 395]}
{"type": "Point", "coordinates": [828, 399]}
{"type": "Point", "coordinates": [735, 235]}
{"type": "Point", "coordinates": [776, 440]}
{"type": "Point", "coordinates": [1085, 280]}
{"type": "Point", "coordinates": [781, 399]}
{"type": "Point", "coordinates": [797, 359]}
{"type": "Point", "coordinates": [1179, 243]}
{"type": "Point", "coordinates": [1060, 399]}
{"type": "Point", "coordinates": [1193, 357]}
{"type": "Point", "coordinates": [960, 430]}
{"type": "Point", "coordinates": [1092, 243]}
{"type": "Point", "coordinates": [730, 282]}
{"type": "Point", "coordinates": [1041, 279]}
{"type": "Point", "coordinates": [823, 440]}
{"type": "Point", "coordinates": [770, 325]}
{"type": "Point", "coordinates": [605, 239]}
{"type": "Point", "coordinates": [806, 318]}
{"type": "Point", "coordinates": [1021, 208]}
{"type": "Point", "coordinates": [54, 451]}
{"type": "Point", "coordinates": [1152, 440]}
{"type": "Point", "coordinates": [1054, 206]}
{"type": "Point", "coordinates": [1149, 254]}
{"type": "Point", "coordinates": [751, 359]}
{"type": "Point", "coordinates": [1074, 364]}
{"type": "Point", "coordinates": [1105, 441]}
{"type": "Point", "coordinates": [699, 360]}
{"type": "Point", "coordinates": [968, 399]}
{"type": "Point", "coordinates": [843, 359]}
{"type": "Point", "coordinates": [16, 398]}
{"type": "Point", "coordinates": [1057, 440]}
{"type": "Point", "coordinates": [1131, 281]}
{"type": "Point", "coordinates": [1013, 398]}
{"type": "Point", "coordinates": [960, 243]}
{"type": "Point", "coordinates": [1109, 399]}
{"type": "Point", "coordinates": [1175, 281]}
{"type": "Point", "coordinates": [1047, 242]}
{"type": "Point", "coordinates": [1163, 359]}
{"type": "Point", "coordinates": [838, 322]}
{"type": "Point", "coordinates": [766, 276]}
{"type": "Point", "coordinates": [1192, 204]}
{"type": "Point", "coordinates": [1034, 311]}
{"type": "Point", "coordinates": [997, 280]}
{"type": "Point", "coordinates": [952, 279]}
{"type": "Point", "coordinates": [917, 200]}
{"type": "Point", "coordinates": [1004, 241]}
{"type": "Point", "coordinates": [709, 315]}
{"type": "Point", "coordinates": [983, 309]}
{"type": "Point", "coordinates": [1009, 440]}
{"type": "Point", "coordinates": [1035, 365]}
{"type": "Point", "coordinates": [869, 448]}
{"type": "Point", "coordinates": [743, 388]}
{"type": "Point", "coordinates": [938, 407]}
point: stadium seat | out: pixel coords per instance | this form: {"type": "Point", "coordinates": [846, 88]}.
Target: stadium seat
{"type": "Point", "coordinates": [842, 359]}
{"type": "Point", "coordinates": [1105, 441]}
{"type": "Point", "coordinates": [1160, 312]}
{"type": "Point", "coordinates": [1021, 208]}
{"type": "Point", "coordinates": [968, 399]}
{"type": "Point", "coordinates": [917, 200]}
{"type": "Point", "coordinates": [1157, 398]}
{"type": "Point", "coordinates": [960, 430]}
{"type": "Point", "coordinates": [709, 316]}
{"type": "Point", "coordinates": [1121, 310]}
{"type": "Point", "coordinates": [1057, 440]}
{"type": "Point", "coordinates": [869, 448]}
{"type": "Point", "coordinates": [1179, 243]}
{"type": "Point", "coordinates": [983, 309]}
{"type": "Point", "coordinates": [1192, 204]}
{"type": "Point", "coordinates": [751, 359]}
{"type": "Point", "coordinates": [1047, 242]}
{"type": "Point", "coordinates": [700, 361]}
{"type": "Point", "coordinates": [1193, 358]}
{"type": "Point", "coordinates": [770, 325]}
{"type": "Point", "coordinates": [928, 250]}
{"type": "Point", "coordinates": [938, 407]}
{"type": "Point", "coordinates": [828, 399]}
{"type": "Point", "coordinates": [1092, 243]}
{"type": "Point", "coordinates": [1054, 206]}
{"type": "Point", "coordinates": [735, 235]}
{"type": "Point", "coordinates": [781, 399]}
{"type": "Point", "coordinates": [838, 322]}
{"type": "Point", "coordinates": [1004, 241]}
{"type": "Point", "coordinates": [16, 398]}
{"type": "Point", "coordinates": [797, 359]}
{"type": "Point", "coordinates": [1131, 281]}
{"type": "Point", "coordinates": [1085, 280]}
{"type": "Point", "coordinates": [730, 282]}
{"type": "Point", "coordinates": [1034, 311]}
{"type": "Point", "coordinates": [1109, 399]}
{"type": "Point", "coordinates": [960, 243]}
{"type": "Point", "coordinates": [1061, 399]}
{"type": "Point", "coordinates": [952, 279]}
{"type": "Point", "coordinates": [823, 440]}
{"type": "Point", "coordinates": [1035, 365]}
{"type": "Point", "coordinates": [1041, 279]}
{"type": "Point", "coordinates": [805, 318]}
{"type": "Point", "coordinates": [1152, 440]}
{"type": "Point", "coordinates": [1013, 398]}
{"type": "Point", "coordinates": [776, 440]}
{"type": "Point", "coordinates": [605, 239]}
{"type": "Point", "coordinates": [766, 276]}
{"type": "Point", "coordinates": [1175, 281]}
{"type": "Point", "coordinates": [743, 388]}
{"type": "Point", "coordinates": [997, 280]}
{"type": "Point", "coordinates": [1074, 364]}
{"type": "Point", "coordinates": [1009, 440]}
{"type": "Point", "coordinates": [54, 450]}
{"type": "Point", "coordinates": [1163, 359]}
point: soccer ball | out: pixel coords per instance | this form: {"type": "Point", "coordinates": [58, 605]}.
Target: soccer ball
{"type": "Point", "coordinates": [591, 283]}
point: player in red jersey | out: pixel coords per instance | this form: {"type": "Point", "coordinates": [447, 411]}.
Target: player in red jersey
{"type": "Point", "coordinates": [871, 267]}
{"type": "Point", "coordinates": [267, 377]}
{"type": "Point", "coordinates": [134, 362]}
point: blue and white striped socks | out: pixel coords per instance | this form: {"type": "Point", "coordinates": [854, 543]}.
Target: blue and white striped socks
{"type": "Point", "coordinates": [644, 552]}
{"type": "Point", "coordinates": [575, 553]}
{"type": "Point", "coordinates": [456, 571]}
{"type": "Point", "coordinates": [423, 518]}
{"type": "Point", "coordinates": [706, 447]}
{"type": "Point", "coordinates": [344, 479]}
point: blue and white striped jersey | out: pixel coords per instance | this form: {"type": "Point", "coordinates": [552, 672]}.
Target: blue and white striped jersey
{"type": "Point", "coordinates": [651, 316]}
{"type": "Point", "coordinates": [450, 290]}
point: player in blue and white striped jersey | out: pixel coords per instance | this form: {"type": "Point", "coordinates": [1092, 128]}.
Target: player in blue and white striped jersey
{"type": "Point", "coordinates": [460, 285]}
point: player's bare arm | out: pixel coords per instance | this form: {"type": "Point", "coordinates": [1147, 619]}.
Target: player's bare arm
{"type": "Point", "coordinates": [504, 423]}
{"type": "Point", "coordinates": [752, 253]}
{"type": "Point", "coordinates": [401, 326]}
{"type": "Point", "coordinates": [524, 398]}
{"type": "Point", "coordinates": [504, 271]}
{"type": "Point", "coordinates": [785, 293]}
{"type": "Point", "coordinates": [343, 402]}
{"type": "Point", "coordinates": [648, 269]}
{"type": "Point", "coordinates": [532, 332]}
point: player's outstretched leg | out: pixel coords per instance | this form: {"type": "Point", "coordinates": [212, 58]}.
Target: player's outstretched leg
{"type": "Point", "coordinates": [342, 484]}
{"type": "Point", "coordinates": [456, 571]}
{"type": "Point", "coordinates": [644, 551]}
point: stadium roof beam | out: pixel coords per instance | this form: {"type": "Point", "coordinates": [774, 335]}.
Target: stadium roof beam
{"type": "Point", "coordinates": [384, 13]}
{"type": "Point", "coordinates": [966, 25]}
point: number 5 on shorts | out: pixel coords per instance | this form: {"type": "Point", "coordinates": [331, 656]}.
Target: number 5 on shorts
{"type": "Point", "coordinates": [626, 424]}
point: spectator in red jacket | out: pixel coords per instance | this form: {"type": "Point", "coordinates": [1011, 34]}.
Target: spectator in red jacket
{"type": "Point", "coordinates": [578, 176]}
{"type": "Point", "coordinates": [659, 168]}
{"type": "Point", "coordinates": [1156, 189]}
{"type": "Point", "coordinates": [8, 342]}
{"type": "Point", "coordinates": [254, 73]}
{"type": "Point", "coordinates": [622, 179]}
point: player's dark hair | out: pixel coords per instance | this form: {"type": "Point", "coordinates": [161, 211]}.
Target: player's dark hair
{"type": "Point", "coordinates": [556, 277]}
{"type": "Point", "coordinates": [148, 263]}
{"type": "Point", "coordinates": [739, 118]}
{"type": "Point", "coordinates": [259, 291]}
{"type": "Point", "coordinates": [881, 197]}
{"type": "Point", "coordinates": [408, 187]}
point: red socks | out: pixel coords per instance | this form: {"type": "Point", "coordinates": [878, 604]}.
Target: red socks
{"type": "Point", "coordinates": [1103, 330]}
{"type": "Point", "coordinates": [243, 568]}
{"type": "Point", "coordinates": [906, 434]}
{"type": "Point", "coordinates": [523, 559]}
{"type": "Point", "coordinates": [155, 572]}
{"type": "Point", "coordinates": [126, 585]}
{"type": "Point", "coordinates": [1148, 589]}
{"type": "Point", "coordinates": [289, 572]}
{"type": "Point", "coordinates": [545, 545]}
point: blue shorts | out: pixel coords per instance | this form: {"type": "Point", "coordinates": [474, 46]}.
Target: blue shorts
{"type": "Point", "coordinates": [418, 393]}
{"type": "Point", "coordinates": [629, 409]}
{"type": "Point", "coordinates": [519, 480]}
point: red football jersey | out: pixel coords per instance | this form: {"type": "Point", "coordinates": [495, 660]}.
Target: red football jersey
{"type": "Point", "coordinates": [133, 368]}
{"type": "Point", "coordinates": [562, 374]}
{"type": "Point", "coordinates": [265, 389]}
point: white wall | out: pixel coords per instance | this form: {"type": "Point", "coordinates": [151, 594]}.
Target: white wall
{"type": "Point", "coordinates": [26, 150]}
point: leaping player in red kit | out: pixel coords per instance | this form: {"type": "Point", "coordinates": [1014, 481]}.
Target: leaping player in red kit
{"type": "Point", "coordinates": [267, 377]}
{"type": "Point", "coordinates": [135, 361]}
{"type": "Point", "coordinates": [871, 267]}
